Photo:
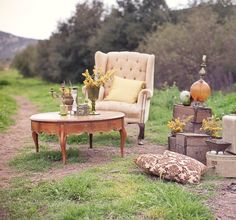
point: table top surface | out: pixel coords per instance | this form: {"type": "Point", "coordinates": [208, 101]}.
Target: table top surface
{"type": "Point", "coordinates": [56, 117]}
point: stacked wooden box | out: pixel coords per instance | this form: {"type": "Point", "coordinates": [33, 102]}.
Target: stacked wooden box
{"type": "Point", "coordinates": [198, 114]}
{"type": "Point", "coordinates": [192, 141]}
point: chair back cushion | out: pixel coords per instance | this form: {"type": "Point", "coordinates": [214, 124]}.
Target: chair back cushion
{"type": "Point", "coordinates": [124, 90]}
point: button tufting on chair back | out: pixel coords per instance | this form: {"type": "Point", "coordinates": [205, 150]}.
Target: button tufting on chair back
{"type": "Point", "coordinates": [128, 65]}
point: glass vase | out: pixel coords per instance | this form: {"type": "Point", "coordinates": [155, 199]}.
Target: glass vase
{"type": "Point", "coordinates": [93, 92]}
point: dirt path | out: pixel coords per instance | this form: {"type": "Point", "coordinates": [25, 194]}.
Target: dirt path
{"type": "Point", "coordinates": [224, 203]}
{"type": "Point", "coordinates": [19, 135]}
{"type": "Point", "coordinates": [14, 138]}
{"type": "Point", "coordinates": [97, 156]}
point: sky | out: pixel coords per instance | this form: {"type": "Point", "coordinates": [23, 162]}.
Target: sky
{"type": "Point", "coordinates": [39, 18]}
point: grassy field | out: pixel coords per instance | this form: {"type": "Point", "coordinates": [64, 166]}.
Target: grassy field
{"type": "Point", "coordinates": [36, 90]}
{"type": "Point", "coordinates": [8, 103]}
{"type": "Point", "coordinates": [116, 190]}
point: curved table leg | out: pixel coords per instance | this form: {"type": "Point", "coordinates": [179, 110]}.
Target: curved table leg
{"type": "Point", "coordinates": [36, 141]}
{"type": "Point", "coordinates": [123, 136]}
{"type": "Point", "coordinates": [63, 144]}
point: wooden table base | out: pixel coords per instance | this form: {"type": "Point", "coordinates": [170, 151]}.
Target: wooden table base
{"type": "Point", "coordinates": [52, 123]}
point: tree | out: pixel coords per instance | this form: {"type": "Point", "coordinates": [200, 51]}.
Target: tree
{"type": "Point", "coordinates": [67, 53]}
{"type": "Point", "coordinates": [179, 48]}
{"type": "Point", "coordinates": [128, 24]}
{"type": "Point", "coordinates": [70, 50]}
{"type": "Point", "coordinates": [25, 61]}
{"type": "Point", "coordinates": [153, 14]}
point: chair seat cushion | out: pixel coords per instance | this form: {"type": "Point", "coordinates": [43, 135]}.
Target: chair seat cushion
{"type": "Point", "coordinates": [119, 88]}
{"type": "Point", "coordinates": [130, 110]}
{"type": "Point", "coordinates": [172, 166]}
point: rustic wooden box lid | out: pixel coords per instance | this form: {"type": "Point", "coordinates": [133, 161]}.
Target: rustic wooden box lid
{"type": "Point", "coordinates": [193, 135]}
{"type": "Point", "coordinates": [191, 139]}
{"type": "Point", "coordinates": [199, 113]}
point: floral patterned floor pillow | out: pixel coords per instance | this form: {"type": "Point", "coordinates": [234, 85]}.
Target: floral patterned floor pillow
{"type": "Point", "coordinates": [180, 169]}
{"type": "Point", "coordinates": [147, 161]}
{"type": "Point", "coordinates": [191, 163]}
{"type": "Point", "coordinates": [172, 166]}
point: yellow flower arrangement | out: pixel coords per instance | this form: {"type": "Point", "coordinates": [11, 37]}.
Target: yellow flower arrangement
{"type": "Point", "coordinates": [176, 125]}
{"type": "Point", "coordinates": [211, 126]}
{"type": "Point", "coordinates": [98, 77]}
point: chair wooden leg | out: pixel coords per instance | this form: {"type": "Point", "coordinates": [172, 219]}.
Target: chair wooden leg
{"type": "Point", "coordinates": [141, 133]}
{"type": "Point", "coordinates": [90, 140]}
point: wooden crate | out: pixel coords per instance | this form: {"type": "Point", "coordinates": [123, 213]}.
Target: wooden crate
{"type": "Point", "coordinates": [199, 113]}
{"type": "Point", "coordinates": [172, 143]}
{"type": "Point", "coordinates": [192, 145]}
{"type": "Point", "coordinates": [193, 127]}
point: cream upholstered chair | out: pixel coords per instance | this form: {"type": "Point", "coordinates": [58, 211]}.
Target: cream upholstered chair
{"type": "Point", "coordinates": [134, 66]}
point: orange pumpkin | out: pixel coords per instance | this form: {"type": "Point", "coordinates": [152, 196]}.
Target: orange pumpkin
{"type": "Point", "coordinates": [200, 91]}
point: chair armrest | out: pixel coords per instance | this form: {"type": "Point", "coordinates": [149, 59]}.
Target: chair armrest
{"type": "Point", "coordinates": [84, 90]}
{"type": "Point", "coordinates": [101, 92]}
{"type": "Point", "coordinates": [144, 94]}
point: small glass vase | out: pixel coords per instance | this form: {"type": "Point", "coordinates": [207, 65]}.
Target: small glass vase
{"type": "Point", "coordinates": [93, 92]}
{"type": "Point", "coordinates": [63, 110]}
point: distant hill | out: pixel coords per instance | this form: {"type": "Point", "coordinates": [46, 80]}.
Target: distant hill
{"type": "Point", "coordinates": [11, 45]}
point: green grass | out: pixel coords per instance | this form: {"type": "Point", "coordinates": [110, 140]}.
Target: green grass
{"type": "Point", "coordinates": [114, 191]}
{"type": "Point", "coordinates": [222, 103]}
{"type": "Point", "coordinates": [8, 108]}
{"type": "Point", "coordinates": [99, 139]}
{"type": "Point", "coordinates": [34, 89]}
{"type": "Point", "coordinates": [160, 113]}
{"type": "Point", "coordinates": [46, 159]}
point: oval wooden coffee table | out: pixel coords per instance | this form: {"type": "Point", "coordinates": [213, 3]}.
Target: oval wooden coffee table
{"type": "Point", "coordinates": [53, 123]}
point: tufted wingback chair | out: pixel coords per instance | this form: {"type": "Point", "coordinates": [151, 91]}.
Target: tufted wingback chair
{"type": "Point", "coordinates": [134, 66]}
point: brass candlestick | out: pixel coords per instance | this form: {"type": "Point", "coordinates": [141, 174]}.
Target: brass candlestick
{"type": "Point", "coordinates": [202, 71]}
{"type": "Point", "coordinates": [65, 98]}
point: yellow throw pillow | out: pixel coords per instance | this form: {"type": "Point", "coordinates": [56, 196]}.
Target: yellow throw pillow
{"type": "Point", "coordinates": [124, 90]}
